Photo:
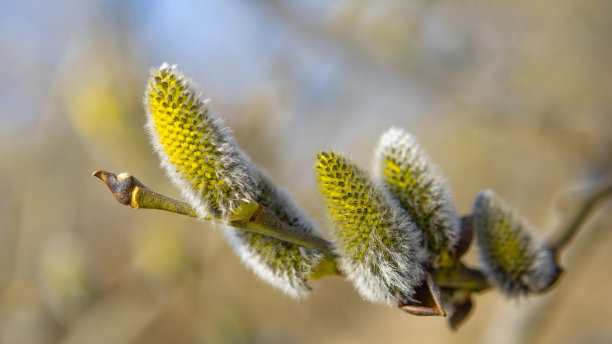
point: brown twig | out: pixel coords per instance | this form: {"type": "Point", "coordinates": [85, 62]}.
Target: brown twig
{"type": "Point", "coordinates": [130, 191]}
{"type": "Point", "coordinates": [250, 217]}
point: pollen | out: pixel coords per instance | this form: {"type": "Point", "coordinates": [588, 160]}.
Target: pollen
{"type": "Point", "coordinates": [194, 147]}
{"type": "Point", "coordinates": [378, 243]}
{"type": "Point", "coordinates": [417, 184]}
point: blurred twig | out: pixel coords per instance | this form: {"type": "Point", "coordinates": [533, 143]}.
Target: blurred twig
{"type": "Point", "coordinates": [569, 228]}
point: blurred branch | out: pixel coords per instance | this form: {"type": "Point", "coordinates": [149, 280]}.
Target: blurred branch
{"type": "Point", "coordinates": [355, 49]}
{"type": "Point", "coordinates": [568, 230]}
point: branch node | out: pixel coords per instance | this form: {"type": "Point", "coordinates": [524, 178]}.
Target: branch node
{"type": "Point", "coordinates": [122, 186]}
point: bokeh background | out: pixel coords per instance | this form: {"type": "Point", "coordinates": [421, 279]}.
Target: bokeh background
{"type": "Point", "coordinates": [510, 95]}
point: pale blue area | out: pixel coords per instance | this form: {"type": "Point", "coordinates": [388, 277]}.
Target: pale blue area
{"type": "Point", "coordinates": [34, 36]}
{"type": "Point", "coordinates": [235, 44]}
{"type": "Point", "coordinates": [229, 47]}
{"type": "Point", "coordinates": [217, 41]}
{"type": "Point", "coordinates": [225, 45]}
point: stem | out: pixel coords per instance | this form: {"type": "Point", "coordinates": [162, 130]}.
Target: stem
{"type": "Point", "coordinates": [263, 222]}
{"type": "Point", "coordinates": [130, 191]}
{"type": "Point", "coordinates": [461, 277]}
{"type": "Point", "coordinates": [250, 217]}
{"type": "Point", "coordinates": [566, 233]}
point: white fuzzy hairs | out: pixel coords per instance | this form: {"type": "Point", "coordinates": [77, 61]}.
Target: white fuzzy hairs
{"type": "Point", "coordinates": [418, 185]}
{"type": "Point", "coordinates": [512, 253]}
{"type": "Point", "coordinates": [215, 176]}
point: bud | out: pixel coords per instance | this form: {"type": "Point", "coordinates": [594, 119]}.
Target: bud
{"type": "Point", "coordinates": [195, 148]}
{"type": "Point", "coordinates": [282, 264]}
{"type": "Point", "coordinates": [377, 242]}
{"type": "Point", "coordinates": [406, 171]}
{"type": "Point", "coordinates": [513, 254]}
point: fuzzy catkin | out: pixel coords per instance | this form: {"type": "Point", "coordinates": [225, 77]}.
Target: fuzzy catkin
{"type": "Point", "coordinates": [407, 172]}
{"type": "Point", "coordinates": [216, 177]}
{"type": "Point", "coordinates": [195, 148]}
{"type": "Point", "coordinates": [512, 253]}
{"type": "Point", "coordinates": [284, 265]}
{"type": "Point", "coordinates": [377, 242]}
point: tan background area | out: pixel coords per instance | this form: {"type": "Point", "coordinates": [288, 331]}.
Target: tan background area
{"type": "Point", "coordinates": [510, 95]}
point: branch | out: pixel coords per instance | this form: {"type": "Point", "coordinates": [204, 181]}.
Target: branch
{"type": "Point", "coordinates": [568, 230]}
{"type": "Point", "coordinates": [461, 277]}
{"type": "Point", "coordinates": [250, 217]}
{"type": "Point", "coordinates": [130, 191]}
{"type": "Point", "coordinates": [256, 218]}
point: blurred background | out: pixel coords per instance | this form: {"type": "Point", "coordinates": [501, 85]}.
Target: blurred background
{"type": "Point", "coordinates": [509, 95]}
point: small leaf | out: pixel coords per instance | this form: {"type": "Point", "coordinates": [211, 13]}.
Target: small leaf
{"type": "Point", "coordinates": [461, 312]}
{"type": "Point", "coordinates": [378, 244]}
{"type": "Point", "coordinates": [458, 304]}
{"type": "Point", "coordinates": [427, 299]}
{"type": "Point", "coordinates": [465, 237]}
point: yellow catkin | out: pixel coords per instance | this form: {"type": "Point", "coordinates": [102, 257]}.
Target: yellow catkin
{"type": "Point", "coordinates": [378, 244]}
{"type": "Point", "coordinates": [513, 254]}
{"type": "Point", "coordinates": [282, 264]}
{"type": "Point", "coordinates": [194, 146]}
{"type": "Point", "coordinates": [216, 177]}
{"type": "Point", "coordinates": [406, 171]}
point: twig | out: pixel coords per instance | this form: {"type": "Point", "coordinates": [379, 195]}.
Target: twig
{"type": "Point", "coordinates": [566, 233]}
{"type": "Point", "coordinates": [256, 218]}
{"type": "Point", "coordinates": [250, 217]}
{"type": "Point", "coordinates": [461, 277]}
{"type": "Point", "coordinates": [130, 191]}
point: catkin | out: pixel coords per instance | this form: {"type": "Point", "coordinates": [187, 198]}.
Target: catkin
{"type": "Point", "coordinates": [378, 244]}
{"type": "Point", "coordinates": [512, 253]}
{"type": "Point", "coordinates": [407, 172]}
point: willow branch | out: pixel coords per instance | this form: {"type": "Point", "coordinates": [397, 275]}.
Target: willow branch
{"type": "Point", "coordinates": [130, 191]}
{"type": "Point", "coordinates": [250, 217]}
{"type": "Point", "coordinates": [568, 230]}
{"type": "Point", "coordinates": [255, 218]}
